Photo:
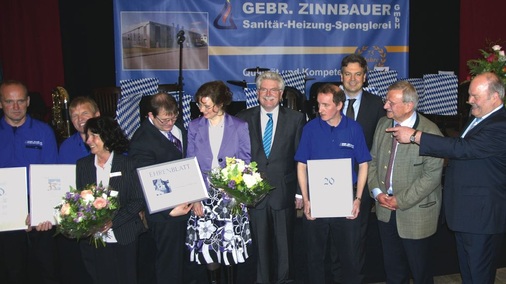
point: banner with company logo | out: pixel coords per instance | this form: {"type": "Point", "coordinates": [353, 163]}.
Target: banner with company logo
{"type": "Point", "coordinates": [233, 41]}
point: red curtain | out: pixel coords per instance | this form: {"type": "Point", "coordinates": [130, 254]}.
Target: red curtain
{"type": "Point", "coordinates": [30, 45]}
{"type": "Point", "coordinates": [481, 23]}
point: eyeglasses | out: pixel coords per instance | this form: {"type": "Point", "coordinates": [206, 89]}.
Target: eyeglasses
{"type": "Point", "coordinates": [199, 105]}
{"type": "Point", "coordinates": [385, 101]}
{"type": "Point", "coordinates": [167, 120]}
{"type": "Point", "coordinates": [264, 91]}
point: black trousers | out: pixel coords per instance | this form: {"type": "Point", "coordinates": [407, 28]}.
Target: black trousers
{"type": "Point", "coordinates": [110, 264]}
{"type": "Point", "coordinates": [273, 236]}
{"type": "Point", "coordinates": [345, 234]}
{"type": "Point", "coordinates": [404, 255]}
{"type": "Point", "coordinates": [478, 255]}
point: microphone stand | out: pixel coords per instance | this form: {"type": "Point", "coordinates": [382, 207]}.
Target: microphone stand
{"type": "Point", "coordinates": [180, 41]}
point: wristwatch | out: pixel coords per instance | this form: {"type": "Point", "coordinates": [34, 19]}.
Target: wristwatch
{"type": "Point", "coordinates": [412, 139]}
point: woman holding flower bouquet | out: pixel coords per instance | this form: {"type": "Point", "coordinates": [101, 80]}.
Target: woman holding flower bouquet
{"type": "Point", "coordinates": [215, 235]}
{"type": "Point", "coordinates": [114, 262]}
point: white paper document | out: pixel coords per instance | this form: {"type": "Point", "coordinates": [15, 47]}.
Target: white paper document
{"type": "Point", "coordinates": [48, 185]}
{"type": "Point", "coordinates": [169, 184]}
{"type": "Point", "coordinates": [13, 199]}
{"type": "Point", "coordinates": [330, 187]}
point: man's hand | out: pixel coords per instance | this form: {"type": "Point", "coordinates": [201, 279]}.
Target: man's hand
{"type": "Point", "coordinates": [401, 133]}
{"type": "Point", "coordinates": [307, 210]}
{"type": "Point", "coordinates": [386, 201]}
{"type": "Point", "coordinates": [181, 209]}
{"type": "Point", "coordinates": [298, 203]}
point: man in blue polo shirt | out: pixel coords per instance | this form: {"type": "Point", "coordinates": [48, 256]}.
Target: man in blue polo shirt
{"type": "Point", "coordinates": [25, 141]}
{"type": "Point", "coordinates": [333, 136]}
{"type": "Point", "coordinates": [74, 148]}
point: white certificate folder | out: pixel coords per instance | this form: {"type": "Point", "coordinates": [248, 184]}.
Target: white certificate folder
{"type": "Point", "coordinates": [48, 185]}
{"type": "Point", "coordinates": [13, 199]}
{"type": "Point", "coordinates": [330, 187]}
{"type": "Point", "coordinates": [169, 184]}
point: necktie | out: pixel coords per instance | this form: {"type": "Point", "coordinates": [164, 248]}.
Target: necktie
{"type": "Point", "coordinates": [350, 112]}
{"type": "Point", "coordinates": [471, 126]}
{"type": "Point", "coordinates": [391, 163]}
{"type": "Point", "coordinates": [175, 141]}
{"type": "Point", "coordinates": [268, 136]}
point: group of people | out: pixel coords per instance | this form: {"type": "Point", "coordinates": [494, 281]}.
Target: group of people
{"type": "Point", "coordinates": [397, 164]}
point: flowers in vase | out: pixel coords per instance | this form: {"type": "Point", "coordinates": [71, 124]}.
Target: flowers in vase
{"type": "Point", "coordinates": [83, 213]}
{"type": "Point", "coordinates": [494, 60]}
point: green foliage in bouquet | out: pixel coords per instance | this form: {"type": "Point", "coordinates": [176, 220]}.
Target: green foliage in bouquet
{"type": "Point", "coordinates": [241, 182]}
{"type": "Point", "coordinates": [494, 60]}
{"type": "Point", "coordinates": [82, 213]}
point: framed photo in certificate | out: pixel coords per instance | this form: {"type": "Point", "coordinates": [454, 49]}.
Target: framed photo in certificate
{"type": "Point", "coordinates": [48, 184]}
{"type": "Point", "coordinates": [13, 199]}
{"type": "Point", "coordinates": [330, 187]}
{"type": "Point", "coordinates": [169, 184]}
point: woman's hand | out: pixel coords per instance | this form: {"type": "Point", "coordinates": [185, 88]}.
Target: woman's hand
{"type": "Point", "coordinates": [198, 209]}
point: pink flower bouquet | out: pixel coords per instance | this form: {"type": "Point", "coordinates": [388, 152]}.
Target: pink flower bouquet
{"type": "Point", "coordinates": [82, 213]}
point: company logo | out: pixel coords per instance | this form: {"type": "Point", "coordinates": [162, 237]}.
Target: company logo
{"type": "Point", "coordinates": [374, 55]}
{"type": "Point", "coordinates": [224, 20]}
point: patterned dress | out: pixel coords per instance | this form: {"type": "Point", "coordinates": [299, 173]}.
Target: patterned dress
{"type": "Point", "coordinates": [218, 236]}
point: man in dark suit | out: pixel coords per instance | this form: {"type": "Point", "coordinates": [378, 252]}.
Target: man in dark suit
{"type": "Point", "coordinates": [366, 109]}
{"type": "Point", "coordinates": [273, 218]}
{"type": "Point", "coordinates": [151, 145]}
{"type": "Point", "coordinates": [475, 181]}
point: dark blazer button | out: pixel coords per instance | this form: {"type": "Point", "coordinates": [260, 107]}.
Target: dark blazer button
{"type": "Point", "coordinates": [220, 160]}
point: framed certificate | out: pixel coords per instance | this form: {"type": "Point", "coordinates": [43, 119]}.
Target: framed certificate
{"type": "Point", "coordinates": [330, 187]}
{"type": "Point", "coordinates": [13, 199]}
{"type": "Point", "coordinates": [169, 184]}
{"type": "Point", "coordinates": [48, 184]}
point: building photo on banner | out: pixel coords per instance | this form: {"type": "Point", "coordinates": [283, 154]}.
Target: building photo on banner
{"type": "Point", "coordinates": [234, 41]}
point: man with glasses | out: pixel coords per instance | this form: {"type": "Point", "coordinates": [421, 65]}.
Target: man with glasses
{"type": "Point", "coordinates": [162, 138]}
{"type": "Point", "coordinates": [273, 218]}
{"type": "Point", "coordinates": [407, 189]}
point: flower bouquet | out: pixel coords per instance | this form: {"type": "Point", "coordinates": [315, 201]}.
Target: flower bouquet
{"type": "Point", "coordinates": [241, 182]}
{"type": "Point", "coordinates": [83, 213]}
{"type": "Point", "coordinates": [492, 61]}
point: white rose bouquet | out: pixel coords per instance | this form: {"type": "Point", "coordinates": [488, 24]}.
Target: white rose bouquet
{"type": "Point", "coordinates": [241, 182]}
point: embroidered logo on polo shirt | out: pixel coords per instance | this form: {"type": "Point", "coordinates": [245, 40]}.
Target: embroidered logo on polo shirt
{"type": "Point", "coordinates": [33, 144]}
{"type": "Point", "coordinates": [347, 145]}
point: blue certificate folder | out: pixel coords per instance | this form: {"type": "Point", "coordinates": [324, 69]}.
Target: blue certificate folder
{"type": "Point", "coordinates": [330, 187]}
{"type": "Point", "coordinates": [167, 185]}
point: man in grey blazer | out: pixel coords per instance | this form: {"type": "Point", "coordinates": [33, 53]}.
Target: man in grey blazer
{"type": "Point", "coordinates": [273, 218]}
{"type": "Point", "coordinates": [475, 178]}
{"type": "Point", "coordinates": [407, 189]}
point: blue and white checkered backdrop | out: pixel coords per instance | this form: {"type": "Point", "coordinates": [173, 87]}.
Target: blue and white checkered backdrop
{"type": "Point", "coordinates": [251, 97]}
{"type": "Point", "coordinates": [380, 80]}
{"type": "Point", "coordinates": [441, 93]}
{"type": "Point", "coordinates": [186, 106]}
{"type": "Point", "coordinates": [132, 91]}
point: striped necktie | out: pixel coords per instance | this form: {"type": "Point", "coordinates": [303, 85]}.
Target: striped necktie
{"type": "Point", "coordinates": [175, 141]}
{"type": "Point", "coordinates": [268, 136]}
